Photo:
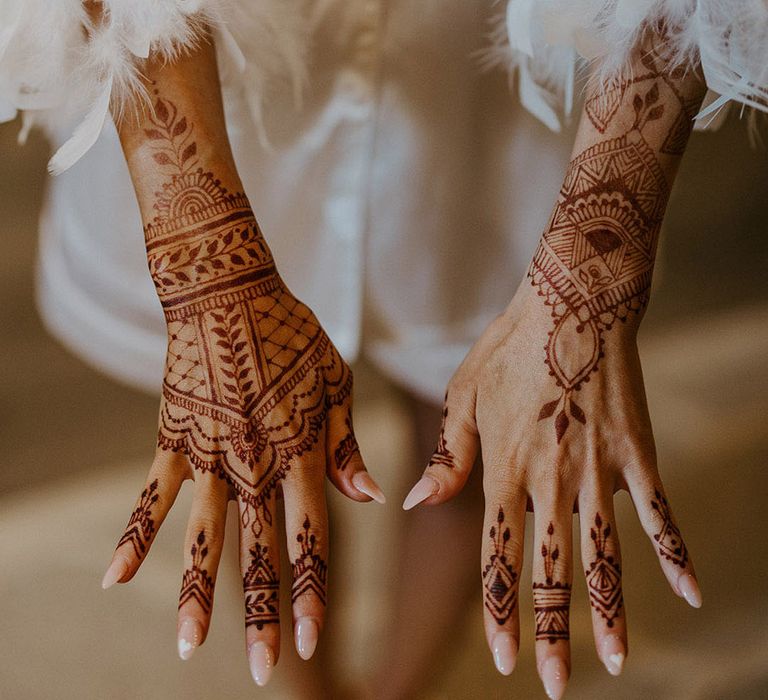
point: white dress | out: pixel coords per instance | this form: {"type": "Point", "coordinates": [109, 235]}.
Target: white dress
{"type": "Point", "coordinates": [402, 198]}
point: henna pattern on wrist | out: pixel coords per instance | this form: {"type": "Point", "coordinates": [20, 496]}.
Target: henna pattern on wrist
{"type": "Point", "coordinates": [197, 584]}
{"type": "Point", "coordinates": [604, 575]}
{"type": "Point", "coordinates": [141, 525]}
{"type": "Point", "coordinates": [250, 374]}
{"type": "Point", "coordinates": [309, 569]}
{"type": "Point", "coordinates": [669, 539]}
{"type": "Point", "coordinates": [551, 597]}
{"type": "Point", "coordinates": [594, 263]}
{"type": "Point", "coordinates": [499, 575]}
{"type": "Point", "coordinates": [261, 586]}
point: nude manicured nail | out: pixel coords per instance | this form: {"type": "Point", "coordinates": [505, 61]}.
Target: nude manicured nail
{"type": "Point", "coordinates": [261, 661]}
{"type": "Point", "coordinates": [504, 652]}
{"type": "Point", "coordinates": [554, 676]}
{"type": "Point", "coordinates": [689, 589]}
{"type": "Point", "coordinates": [117, 569]}
{"type": "Point", "coordinates": [190, 637]}
{"type": "Point", "coordinates": [423, 489]}
{"type": "Point", "coordinates": [613, 654]}
{"type": "Point", "coordinates": [306, 637]}
{"type": "Point", "coordinates": [364, 483]}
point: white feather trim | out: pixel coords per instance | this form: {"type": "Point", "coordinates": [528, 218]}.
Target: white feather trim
{"type": "Point", "coordinates": [56, 65]}
{"type": "Point", "coordinates": [549, 41]}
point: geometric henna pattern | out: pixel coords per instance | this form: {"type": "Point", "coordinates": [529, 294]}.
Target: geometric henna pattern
{"type": "Point", "coordinates": [250, 374]}
{"type": "Point", "coordinates": [347, 448]}
{"type": "Point", "coordinates": [442, 455]}
{"type": "Point", "coordinates": [604, 575]}
{"type": "Point", "coordinates": [141, 526]}
{"type": "Point", "coordinates": [310, 571]}
{"type": "Point", "coordinates": [669, 539]}
{"type": "Point", "coordinates": [262, 590]}
{"type": "Point", "coordinates": [551, 597]}
{"type": "Point", "coordinates": [499, 576]}
{"type": "Point", "coordinates": [196, 583]}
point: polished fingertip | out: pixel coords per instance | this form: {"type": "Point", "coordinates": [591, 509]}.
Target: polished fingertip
{"type": "Point", "coordinates": [190, 637]}
{"type": "Point", "coordinates": [117, 569]}
{"type": "Point", "coordinates": [365, 484]}
{"type": "Point", "coordinates": [504, 650]}
{"type": "Point", "coordinates": [689, 589]}
{"type": "Point", "coordinates": [261, 661]}
{"type": "Point", "coordinates": [613, 654]}
{"type": "Point", "coordinates": [305, 637]}
{"type": "Point", "coordinates": [554, 676]}
{"type": "Point", "coordinates": [424, 488]}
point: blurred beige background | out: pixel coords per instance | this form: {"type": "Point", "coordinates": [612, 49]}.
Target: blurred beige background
{"type": "Point", "coordinates": [76, 446]}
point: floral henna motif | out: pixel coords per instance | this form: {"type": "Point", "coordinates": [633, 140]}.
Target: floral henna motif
{"type": "Point", "coordinates": [499, 576]}
{"type": "Point", "coordinates": [262, 590]}
{"type": "Point", "coordinates": [604, 575]}
{"type": "Point", "coordinates": [197, 584]}
{"type": "Point", "coordinates": [141, 525]}
{"type": "Point", "coordinates": [551, 598]}
{"type": "Point", "coordinates": [309, 569]}
{"type": "Point", "coordinates": [669, 539]}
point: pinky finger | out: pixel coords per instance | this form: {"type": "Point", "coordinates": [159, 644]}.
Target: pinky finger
{"type": "Point", "coordinates": [157, 497]}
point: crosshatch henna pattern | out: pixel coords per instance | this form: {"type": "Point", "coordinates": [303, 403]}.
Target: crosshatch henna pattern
{"type": "Point", "coordinates": [310, 571]}
{"type": "Point", "coordinates": [499, 576]}
{"type": "Point", "coordinates": [197, 584]}
{"type": "Point", "coordinates": [250, 374]}
{"type": "Point", "coordinates": [604, 575]}
{"type": "Point", "coordinates": [669, 539]}
{"type": "Point", "coordinates": [594, 263]}
{"type": "Point", "coordinates": [261, 586]}
{"type": "Point", "coordinates": [141, 525]}
{"type": "Point", "coordinates": [551, 597]}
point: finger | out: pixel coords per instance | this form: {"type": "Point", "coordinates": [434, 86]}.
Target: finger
{"type": "Point", "coordinates": [657, 520]}
{"type": "Point", "coordinates": [202, 550]}
{"type": "Point", "coordinates": [306, 527]}
{"type": "Point", "coordinates": [157, 497]}
{"type": "Point", "coordinates": [601, 559]}
{"type": "Point", "coordinates": [502, 557]}
{"type": "Point", "coordinates": [552, 575]}
{"type": "Point", "coordinates": [260, 568]}
{"type": "Point", "coordinates": [454, 456]}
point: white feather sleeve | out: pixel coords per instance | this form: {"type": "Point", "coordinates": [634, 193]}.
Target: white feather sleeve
{"type": "Point", "coordinates": [56, 65]}
{"type": "Point", "coordinates": [545, 43]}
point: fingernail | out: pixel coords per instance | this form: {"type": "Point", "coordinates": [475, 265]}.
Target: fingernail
{"type": "Point", "coordinates": [504, 652]}
{"type": "Point", "coordinates": [689, 589]}
{"type": "Point", "coordinates": [115, 572]}
{"type": "Point", "coordinates": [364, 483]}
{"type": "Point", "coordinates": [190, 636]}
{"type": "Point", "coordinates": [306, 637]}
{"type": "Point", "coordinates": [554, 676]}
{"type": "Point", "coordinates": [423, 489]}
{"type": "Point", "coordinates": [261, 662]}
{"type": "Point", "coordinates": [613, 654]}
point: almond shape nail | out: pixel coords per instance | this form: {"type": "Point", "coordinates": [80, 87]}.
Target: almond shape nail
{"type": "Point", "coordinates": [504, 651]}
{"type": "Point", "coordinates": [554, 676]}
{"type": "Point", "coordinates": [116, 570]}
{"type": "Point", "coordinates": [190, 637]}
{"type": "Point", "coordinates": [307, 633]}
{"type": "Point", "coordinates": [423, 489]}
{"type": "Point", "coordinates": [613, 654]}
{"type": "Point", "coordinates": [261, 661]}
{"type": "Point", "coordinates": [364, 483]}
{"type": "Point", "coordinates": [689, 589]}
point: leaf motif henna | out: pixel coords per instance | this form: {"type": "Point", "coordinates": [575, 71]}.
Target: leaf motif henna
{"type": "Point", "coordinates": [141, 525]}
{"type": "Point", "coordinates": [309, 568]}
{"type": "Point", "coordinates": [669, 539]}
{"type": "Point", "coordinates": [197, 584]}
{"type": "Point", "coordinates": [262, 590]}
{"type": "Point", "coordinates": [604, 575]}
{"type": "Point", "coordinates": [499, 576]}
{"type": "Point", "coordinates": [551, 597]}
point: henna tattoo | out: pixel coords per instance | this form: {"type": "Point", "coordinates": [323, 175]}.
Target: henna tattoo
{"type": "Point", "coordinates": [551, 597]}
{"type": "Point", "coordinates": [499, 575]}
{"type": "Point", "coordinates": [671, 545]}
{"type": "Point", "coordinates": [604, 575]}
{"type": "Point", "coordinates": [262, 590]}
{"type": "Point", "coordinates": [141, 525]}
{"type": "Point", "coordinates": [309, 569]}
{"type": "Point", "coordinates": [197, 584]}
{"type": "Point", "coordinates": [442, 455]}
{"type": "Point", "coordinates": [594, 263]}
{"type": "Point", "coordinates": [347, 448]}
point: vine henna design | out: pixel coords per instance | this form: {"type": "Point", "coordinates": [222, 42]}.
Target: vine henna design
{"type": "Point", "coordinates": [141, 525]}
{"type": "Point", "coordinates": [261, 586]}
{"type": "Point", "coordinates": [310, 571]}
{"type": "Point", "coordinates": [669, 539]}
{"type": "Point", "coordinates": [499, 576]}
{"type": "Point", "coordinates": [197, 584]}
{"type": "Point", "coordinates": [604, 575]}
{"type": "Point", "coordinates": [594, 263]}
{"type": "Point", "coordinates": [250, 373]}
{"type": "Point", "coordinates": [551, 597]}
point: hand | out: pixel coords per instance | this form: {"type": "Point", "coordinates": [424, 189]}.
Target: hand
{"type": "Point", "coordinates": [256, 403]}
